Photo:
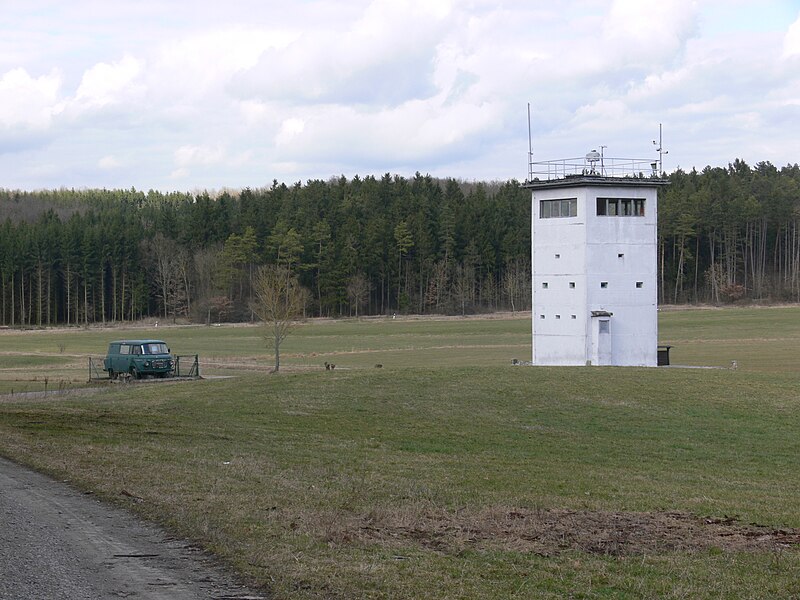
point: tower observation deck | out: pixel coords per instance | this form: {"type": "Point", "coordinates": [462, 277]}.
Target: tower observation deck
{"type": "Point", "coordinates": [593, 165]}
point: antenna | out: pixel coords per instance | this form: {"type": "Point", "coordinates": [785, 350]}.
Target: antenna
{"type": "Point", "coordinates": [530, 144]}
{"type": "Point", "coordinates": [660, 150]}
{"type": "Point", "coordinates": [602, 166]}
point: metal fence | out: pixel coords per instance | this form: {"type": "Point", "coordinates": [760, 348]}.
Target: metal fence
{"type": "Point", "coordinates": [592, 167]}
{"type": "Point", "coordinates": [187, 365]}
{"type": "Point", "coordinates": [96, 372]}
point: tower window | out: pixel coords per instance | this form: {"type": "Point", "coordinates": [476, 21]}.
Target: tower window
{"type": "Point", "coordinates": [620, 207]}
{"type": "Point", "coordinates": [558, 256]}
{"type": "Point", "coordinates": [572, 285]}
{"type": "Point", "coordinates": [544, 285]}
{"type": "Point", "coordinates": [551, 209]}
{"type": "Point", "coordinates": [620, 255]}
{"type": "Point", "coordinates": [604, 326]}
{"type": "Point", "coordinates": [640, 284]}
{"type": "Point", "coordinates": [603, 284]}
{"type": "Point", "coordinates": [573, 316]}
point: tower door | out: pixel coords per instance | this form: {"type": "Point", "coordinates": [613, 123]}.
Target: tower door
{"type": "Point", "coordinates": [601, 341]}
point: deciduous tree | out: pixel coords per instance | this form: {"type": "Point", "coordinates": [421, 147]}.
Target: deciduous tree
{"type": "Point", "coordinates": [278, 301]}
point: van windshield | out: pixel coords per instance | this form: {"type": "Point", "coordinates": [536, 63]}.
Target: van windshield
{"type": "Point", "coordinates": [155, 349]}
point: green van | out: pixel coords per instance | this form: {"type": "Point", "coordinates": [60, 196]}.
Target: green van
{"type": "Point", "coordinates": [138, 358]}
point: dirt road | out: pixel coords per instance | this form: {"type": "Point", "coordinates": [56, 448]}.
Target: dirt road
{"type": "Point", "coordinates": [57, 543]}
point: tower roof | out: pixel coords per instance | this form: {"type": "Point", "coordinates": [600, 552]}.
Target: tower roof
{"type": "Point", "coordinates": [596, 180]}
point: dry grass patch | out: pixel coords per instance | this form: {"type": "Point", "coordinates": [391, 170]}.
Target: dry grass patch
{"type": "Point", "coordinates": [542, 532]}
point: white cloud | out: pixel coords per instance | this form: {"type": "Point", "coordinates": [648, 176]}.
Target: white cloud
{"type": "Point", "coordinates": [108, 162]}
{"type": "Point", "coordinates": [601, 114]}
{"type": "Point", "coordinates": [416, 130]}
{"type": "Point", "coordinates": [791, 42]}
{"type": "Point", "coordinates": [254, 112]}
{"type": "Point", "coordinates": [385, 57]}
{"type": "Point", "coordinates": [109, 83]}
{"type": "Point", "coordinates": [203, 63]}
{"type": "Point", "coordinates": [29, 102]}
{"type": "Point", "coordinates": [181, 173]}
{"type": "Point", "coordinates": [202, 155]}
{"type": "Point", "coordinates": [647, 33]}
{"type": "Point", "coordinates": [290, 128]}
{"type": "Point", "coordinates": [238, 94]}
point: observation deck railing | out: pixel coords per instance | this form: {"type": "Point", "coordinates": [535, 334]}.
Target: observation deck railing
{"type": "Point", "coordinates": [622, 168]}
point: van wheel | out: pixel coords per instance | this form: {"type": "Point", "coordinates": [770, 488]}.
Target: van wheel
{"type": "Point", "coordinates": [135, 373]}
{"type": "Point", "coordinates": [111, 374]}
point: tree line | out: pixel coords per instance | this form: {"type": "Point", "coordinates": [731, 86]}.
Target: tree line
{"type": "Point", "coordinates": [365, 246]}
{"type": "Point", "coordinates": [358, 247]}
{"type": "Point", "coordinates": [730, 234]}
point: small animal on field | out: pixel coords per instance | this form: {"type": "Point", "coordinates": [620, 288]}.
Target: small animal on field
{"type": "Point", "coordinates": [329, 366]}
{"type": "Point", "coordinates": [379, 366]}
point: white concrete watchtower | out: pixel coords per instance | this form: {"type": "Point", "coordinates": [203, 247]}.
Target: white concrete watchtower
{"type": "Point", "coordinates": [593, 256]}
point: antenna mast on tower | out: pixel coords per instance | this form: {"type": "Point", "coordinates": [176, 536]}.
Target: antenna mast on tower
{"type": "Point", "coordinates": [660, 150]}
{"type": "Point", "coordinates": [530, 143]}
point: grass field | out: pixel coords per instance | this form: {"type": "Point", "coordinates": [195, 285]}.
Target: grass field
{"type": "Point", "coordinates": [447, 473]}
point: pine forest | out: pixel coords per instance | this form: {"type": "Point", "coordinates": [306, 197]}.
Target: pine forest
{"type": "Point", "coordinates": [371, 246]}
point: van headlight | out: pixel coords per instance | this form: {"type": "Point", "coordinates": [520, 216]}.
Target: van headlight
{"type": "Point", "coordinates": [147, 363]}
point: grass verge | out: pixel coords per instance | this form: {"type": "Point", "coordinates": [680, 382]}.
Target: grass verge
{"type": "Point", "coordinates": [449, 482]}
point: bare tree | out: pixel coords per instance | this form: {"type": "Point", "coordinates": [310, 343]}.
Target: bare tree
{"type": "Point", "coordinates": [170, 263]}
{"type": "Point", "coordinates": [438, 286]}
{"type": "Point", "coordinates": [516, 283]}
{"type": "Point", "coordinates": [358, 289]}
{"type": "Point", "coordinates": [183, 274]}
{"type": "Point", "coordinates": [208, 290]}
{"type": "Point", "coordinates": [463, 286]}
{"type": "Point", "coordinates": [278, 301]}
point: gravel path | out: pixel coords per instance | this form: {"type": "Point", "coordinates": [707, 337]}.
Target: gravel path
{"type": "Point", "coordinates": [57, 543]}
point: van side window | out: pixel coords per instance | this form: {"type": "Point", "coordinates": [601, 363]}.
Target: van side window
{"type": "Point", "coordinates": [124, 349]}
{"type": "Point", "coordinates": [137, 349]}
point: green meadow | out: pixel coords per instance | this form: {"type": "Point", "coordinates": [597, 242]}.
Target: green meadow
{"type": "Point", "coordinates": [445, 472]}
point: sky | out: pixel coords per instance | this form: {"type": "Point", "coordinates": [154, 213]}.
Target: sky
{"type": "Point", "coordinates": [203, 94]}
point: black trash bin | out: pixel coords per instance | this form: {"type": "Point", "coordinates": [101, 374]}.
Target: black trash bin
{"type": "Point", "coordinates": [663, 356]}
